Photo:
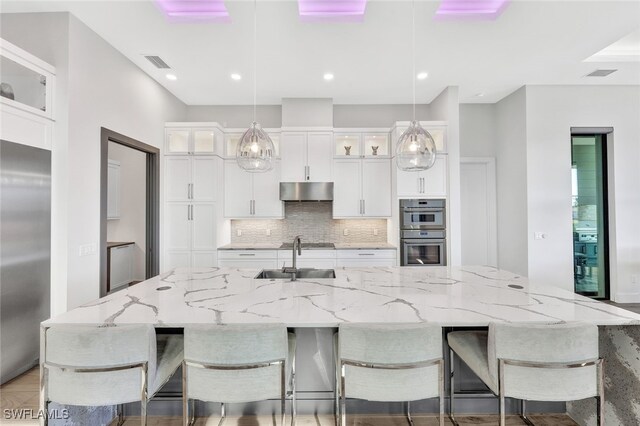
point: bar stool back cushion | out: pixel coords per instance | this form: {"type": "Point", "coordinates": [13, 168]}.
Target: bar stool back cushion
{"type": "Point", "coordinates": [95, 347]}
{"type": "Point", "coordinates": [557, 343]}
{"type": "Point", "coordinates": [391, 344]}
{"type": "Point", "coordinates": [232, 345]}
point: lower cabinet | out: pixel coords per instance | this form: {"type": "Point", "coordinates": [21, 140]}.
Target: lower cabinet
{"type": "Point", "coordinates": [251, 259]}
{"type": "Point", "coordinates": [120, 266]}
{"type": "Point", "coordinates": [366, 258]}
{"type": "Point", "coordinates": [320, 259]}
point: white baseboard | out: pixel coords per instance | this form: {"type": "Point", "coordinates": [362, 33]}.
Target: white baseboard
{"type": "Point", "coordinates": [627, 298]}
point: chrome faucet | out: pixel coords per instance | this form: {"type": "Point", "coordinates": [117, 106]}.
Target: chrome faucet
{"type": "Point", "coordinates": [297, 244]}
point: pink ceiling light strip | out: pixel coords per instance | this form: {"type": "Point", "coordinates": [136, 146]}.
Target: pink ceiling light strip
{"type": "Point", "coordinates": [332, 10]}
{"type": "Point", "coordinates": [195, 9]}
{"type": "Point", "coordinates": [471, 9]}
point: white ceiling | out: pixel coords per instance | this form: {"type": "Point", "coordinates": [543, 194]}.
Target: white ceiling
{"type": "Point", "coordinates": [533, 42]}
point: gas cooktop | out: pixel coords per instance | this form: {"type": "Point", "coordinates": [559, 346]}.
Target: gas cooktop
{"type": "Point", "coordinates": [309, 245]}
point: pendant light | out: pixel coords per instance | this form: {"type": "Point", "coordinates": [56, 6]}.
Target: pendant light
{"type": "Point", "coordinates": [255, 151]}
{"type": "Point", "coordinates": [416, 149]}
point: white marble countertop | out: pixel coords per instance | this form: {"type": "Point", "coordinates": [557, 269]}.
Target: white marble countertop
{"type": "Point", "coordinates": [466, 296]}
{"type": "Point", "coordinates": [338, 246]}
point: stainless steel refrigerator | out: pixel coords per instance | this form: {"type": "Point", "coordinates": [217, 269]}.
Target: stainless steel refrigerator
{"type": "Point", "coordinates": [25, 254]}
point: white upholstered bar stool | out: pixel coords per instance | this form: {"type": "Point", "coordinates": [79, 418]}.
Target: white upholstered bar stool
{"type": "Point", "coordinates": [555, 362]}
{"type": "Point", "coordinates": [238, 364]}
{"type": "Point", "coordinates": [388, 363]}
{"type": "Point", "coordinates": [99, 366]}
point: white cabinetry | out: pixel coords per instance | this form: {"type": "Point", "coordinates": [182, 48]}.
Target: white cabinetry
{"type": "Point", "coordinates": [251, 195]}
{"type": "Point", "coordinates": [193, 140]}
{"type": "Point", "coordinates": [361, 257]}
{"type": "Point", "coordinates": [424, 184]}
{"type": "Point", "coordinates": [432, 183]}
{"type": "Point", "coordinates": [256, 259]}
{"type": "Point", "coordinates": [362, 188]}
{"type": "Point", "coordinates": [306, 156]}
{"type": "Point", "coordinates": [120, 265]}
{"type": "Point", "coordinates": [113, 190]}
{"type": "Point", "coordinates": [192, 177]}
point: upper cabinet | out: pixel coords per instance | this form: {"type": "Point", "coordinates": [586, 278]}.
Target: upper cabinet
{"type": "Point", "coordinates": [362, 188]}
{"type": "Point", "coordinates": [251, 195]}
{"type": "Point", "coordinates": [306, 156]}
{"type": "Point", "coordinates": [201, 140]}
{"type": "Point", "coordinates": [113, 190]}
{"type": "Point", "coordinates": [361, 144]}
{"type": "Point", "coordinates": [191, 178]}
{"type": "Point", "coordinates": [27, 82]}
{"type": "Point", "coordinates": [424, 184]}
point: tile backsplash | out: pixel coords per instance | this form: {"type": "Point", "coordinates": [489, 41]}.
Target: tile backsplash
{"type": "Point", "coordinates": [312, 220]}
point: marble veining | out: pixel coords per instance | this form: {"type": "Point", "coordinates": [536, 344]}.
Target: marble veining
{"type": "Point", "coordinates": [451, 296]}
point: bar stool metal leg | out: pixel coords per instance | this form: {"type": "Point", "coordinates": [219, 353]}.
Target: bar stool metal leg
{"type": "Point", "coordinates": [441, 391]}
{"type": "Point", "coordinates": [523, 413]}
{"type": "Point", "coordinates": [120, 412]}
{"type": "Point", "coordinates": [409, 413]}
{"type": "Point", "coordinates": [501, 386]}
{"type": "Point", "coordinates": [451, 389]}
{"type": "Point", "coordinates": [600, 397]}
{"type": "Point", "coordinates": [223, 414]}
{"type": "Point", "coordinates": [343, 399]}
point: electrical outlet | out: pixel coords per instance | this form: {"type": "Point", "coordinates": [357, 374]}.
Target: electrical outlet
{"type": "Point", "coordinates": [239, 232]}
{"type": "Point", "coordinates": [539, 235]}
{"type": "Point", "coordinates": [634, 279]}
{"type": "Point", "coordinates": [345, 232]}
{"type": "Point", "coordinates": [375, 232]}
{"type": "Point", "coordinates": [87, 249]}
{"type": "Point", "coordinates": [268, 232]}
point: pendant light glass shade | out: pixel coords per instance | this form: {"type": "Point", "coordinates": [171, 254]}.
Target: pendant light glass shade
{"type": "Point", "coordinates": [255, 150]}
{"type": "Point", "coordinates": [416, 149]}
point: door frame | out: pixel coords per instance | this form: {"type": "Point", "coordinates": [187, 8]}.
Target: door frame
{"type": "Point", "coordinates": [152, 252]}
{"type": "Point", "coordinates": [610, 255]}
{"type": "Point", "coordinates": [492, 213]}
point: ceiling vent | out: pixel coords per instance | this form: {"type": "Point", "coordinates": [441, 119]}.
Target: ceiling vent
{"type": "Point", "coordinates": [601, 73]}
{"type": "Point", "coordinates": [158, 62]}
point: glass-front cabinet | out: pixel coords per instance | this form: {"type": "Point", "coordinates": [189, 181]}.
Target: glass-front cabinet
{"type": "Point", "coordinates": [361, 144]}
{"type": "Point", "coordinates": [232, 138]}
{"type": "Point", "coordinates": [25, 81]}
{"type": "Point", "coordinates": [192, 141]}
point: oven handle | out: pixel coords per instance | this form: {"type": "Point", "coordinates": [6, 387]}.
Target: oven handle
{"type": "Point", "coordinates": [423, 209]}
{"type": "Point", "coordinates": [423, 241]}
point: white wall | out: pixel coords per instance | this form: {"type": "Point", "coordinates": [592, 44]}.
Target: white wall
{"type": "Point", "coordinates": [131, 225]}
{"type": "Point", "coordinates": [478, 130]}
{"type": "Point", "coordinates": [104, 89]}
{"type": "Point", "coordinates": [446, 107]}
{"type": "Point", "coordinates": [551, 112]}
{"type": "Point", "coordinates": [511, 172]}
{"type": "Point", "coordinates": [238, 116]}
{"type": "Point", "coordinates": [377, 115]}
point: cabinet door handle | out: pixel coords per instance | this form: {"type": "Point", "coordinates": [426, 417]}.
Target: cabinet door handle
{"type": "Point", "coordinates": [192, 191]}
{"type": "Point", "coordinates": [366, 254]}
{"type": "Point", "coordinates": [364, 208]}
{"type": "Point", "coordinates": [254, 207]}
{"type": "Point", "coordinates": [422, 185]}
{"type": "Point", "coordinates": [247, 254]}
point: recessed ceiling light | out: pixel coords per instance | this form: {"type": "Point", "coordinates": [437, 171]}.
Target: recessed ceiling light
{"type": "Point", "coordinates": [422, 75]}
{"type": "Point", "coordinates": [171, 77]}
{"type": "Point", "coordinates": [479, 95]}
{"type": "Point", "coordinates": [328, 76]}
{"type": "Point", "coordinates": [235, 76]}
{"type": "Point", "coordinates": [601, 73]}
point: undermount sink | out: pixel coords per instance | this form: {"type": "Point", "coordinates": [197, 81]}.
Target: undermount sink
{"type": "Point", "coordinates": [276, 274]}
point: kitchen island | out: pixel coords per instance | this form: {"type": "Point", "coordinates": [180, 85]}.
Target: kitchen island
{"type": "Point", "coordinates": [451, 296]}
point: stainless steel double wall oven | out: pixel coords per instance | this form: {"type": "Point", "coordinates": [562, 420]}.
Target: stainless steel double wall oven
{"type": "Point", "coordinates": [423, 232]}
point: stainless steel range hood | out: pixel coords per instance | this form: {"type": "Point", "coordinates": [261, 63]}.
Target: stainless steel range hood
{"type": "Point", "coordinates": [306, 191]}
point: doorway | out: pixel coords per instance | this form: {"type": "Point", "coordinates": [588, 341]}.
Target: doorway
{"type": "Point", "coordinates": [120, 260]}
{"type": "Point", "coordinates": [590, 219]}
{"type": "Point", "coordinates": [479, 216]}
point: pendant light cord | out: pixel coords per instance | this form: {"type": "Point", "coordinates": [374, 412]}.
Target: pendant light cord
{"type": "Point", "coordinates": [413, 53]}
{"type": "Point", "coordinates": [255, 54]}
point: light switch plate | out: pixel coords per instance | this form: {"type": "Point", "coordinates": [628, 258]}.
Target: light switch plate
{"type": "Point", "coordinates": [345, 232]}
{"type": "Point", "coordinates": [268, 232]}
{"type": "Point", "coordinates": [375, 232]}
{"type": "Point", "coordinates": [87, 249]}
{"type": "Point", "coordinates": [539, 235]}
{"type": "Point", "coordinates": [239, 232]}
